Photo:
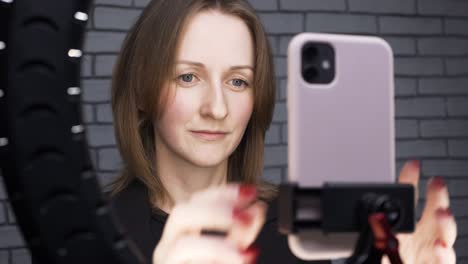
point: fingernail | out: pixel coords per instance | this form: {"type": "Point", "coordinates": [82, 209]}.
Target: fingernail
{"type": "Point", "coordinates": [247, 191]}
{"type": "Point", "coordinates": [437, 182]}
{"type": "Point", "coordinates": [440, 243]}
{"type": "Point", "coordinates": [443, 212]}
{"type": "Point", "coordinates": [251, 253]}
{"type": "Point", "coordinates": [241, 216]}
{"type": "Point", "coordinates": [415, 163]}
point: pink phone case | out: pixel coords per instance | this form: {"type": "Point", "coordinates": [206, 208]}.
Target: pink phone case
{"type": "Point", "coordinates": [342, 131]}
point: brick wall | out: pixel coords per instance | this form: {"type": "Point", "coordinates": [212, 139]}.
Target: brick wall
{"type": "Point", "coordinates": [430, 42]}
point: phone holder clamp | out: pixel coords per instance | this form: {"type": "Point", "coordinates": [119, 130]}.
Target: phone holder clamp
{"type": "Point", "coordinates": [375, 211]}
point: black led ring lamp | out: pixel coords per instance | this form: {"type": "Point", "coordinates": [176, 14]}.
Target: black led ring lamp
{"type": "Point", "coordinates": [44, 160]}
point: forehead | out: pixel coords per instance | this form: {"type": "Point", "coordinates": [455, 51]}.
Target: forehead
{"type": "Point", "coordinates": [214, 37]}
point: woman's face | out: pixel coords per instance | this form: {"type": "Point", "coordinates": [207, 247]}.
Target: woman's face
{"type": "Point", "coordinates": [211, 97]}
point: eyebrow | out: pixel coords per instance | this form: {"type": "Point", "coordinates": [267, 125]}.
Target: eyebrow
{"type": "Point", "coordinates": [201, 65]}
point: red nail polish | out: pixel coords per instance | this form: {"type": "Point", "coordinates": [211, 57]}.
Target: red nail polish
{"type": "Point", "coordinates": [252, 253]}
{"type": "Point", "coordinates": [247, 191]}
{"type": "Point", "coordinates": [440, 243]}
{"type": "Point", "coordinates": [443, 212]}
{"type": "Point", "coordinates": [242, 216]}
{"type": "Point", "coordinates": [415, 163]}
{"type": "Point", "coordinates": [437, 182]}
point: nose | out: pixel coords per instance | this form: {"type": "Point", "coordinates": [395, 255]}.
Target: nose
{"type": "Point", "coordinates": [215, 105]}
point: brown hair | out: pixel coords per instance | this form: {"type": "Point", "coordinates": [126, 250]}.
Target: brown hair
{"type": "Point", "coordinates": [142, 69]}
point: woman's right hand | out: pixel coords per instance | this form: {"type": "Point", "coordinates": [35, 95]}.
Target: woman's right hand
{"type": "Point", "coordinates": [226, 209]}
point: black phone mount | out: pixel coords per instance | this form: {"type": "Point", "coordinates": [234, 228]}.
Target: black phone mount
{"type": "Point", "coordinates": [375, 211]}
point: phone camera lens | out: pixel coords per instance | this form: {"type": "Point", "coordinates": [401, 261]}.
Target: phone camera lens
{"type": "Point", "coordinates": [310, 53]}
{"type": "Point", "coordinates": [310, 74]}
{"type": "Point", "coordinates": [318, 62]}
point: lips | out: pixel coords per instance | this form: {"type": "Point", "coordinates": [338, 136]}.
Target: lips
{"type": "Point", "coordinates": [209, 135]}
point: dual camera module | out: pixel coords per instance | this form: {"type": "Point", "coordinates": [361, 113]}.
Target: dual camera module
{"type": "Point", "coordinates": [318, 63]}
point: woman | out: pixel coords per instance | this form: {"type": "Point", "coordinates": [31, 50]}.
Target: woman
{"type": "Point", "coordinates": [193, 94]}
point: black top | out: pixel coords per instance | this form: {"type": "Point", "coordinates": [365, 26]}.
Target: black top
{"type": "Point", "coordinates": [144, 227]}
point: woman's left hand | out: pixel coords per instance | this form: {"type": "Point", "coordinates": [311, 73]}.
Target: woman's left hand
{"type": "Point", "coordinates": [435, 233]}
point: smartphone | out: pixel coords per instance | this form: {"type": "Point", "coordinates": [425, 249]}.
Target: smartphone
{"type": "Point", "coordinates": [340, 123]}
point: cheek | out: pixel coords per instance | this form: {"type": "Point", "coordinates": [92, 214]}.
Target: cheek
{"type": "Point", "coordinates": [178, 111]}
{"type": "Point", "coordinates": [243, 109]}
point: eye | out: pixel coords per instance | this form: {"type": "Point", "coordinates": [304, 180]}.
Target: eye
{"type": "Point", "coordinates": [239, 83]}
{"type": "Point", "coordinates": [186, 77]}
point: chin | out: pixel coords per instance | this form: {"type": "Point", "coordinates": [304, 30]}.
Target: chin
{"type": "Point", "coordinates": [204, 161]}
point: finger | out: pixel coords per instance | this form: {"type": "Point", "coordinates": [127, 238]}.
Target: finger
{"type": "Point", "coordinates": [193, 218]}
{"type": "Point", "coordinates": [237, 195]}
{"type": "Point", "coordinates": [192, 249]}
{"type": "Point", "coordinates": [443, 254]}
{"type": "Point", "coordinates": [446, 226]}
{"type": "Point", "coordinates": [410, 175]}
{"type": "Point", "coordinates": [437, 197]}
{"type": "Point", "coordinates": [251, 221]}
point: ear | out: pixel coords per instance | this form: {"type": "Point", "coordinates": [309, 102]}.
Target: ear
{"type": "Point", "coordinates": [140, 102]}
{"type": "Point", "coordinates": [140, 108]}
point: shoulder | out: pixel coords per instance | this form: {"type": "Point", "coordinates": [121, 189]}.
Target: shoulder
{"type": "Point", "coordinates": [131, 205]}
{"type": "Point", "coordinates": [132, 208]}
{"type": "Point", "coordinates": [132, 199]}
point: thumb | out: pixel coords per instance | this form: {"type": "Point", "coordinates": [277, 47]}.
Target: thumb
{"type": "Point", "coordinates": [410, 175]}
